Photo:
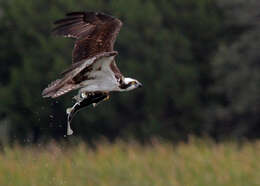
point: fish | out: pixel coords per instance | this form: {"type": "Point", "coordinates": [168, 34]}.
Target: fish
{"type": "Point", "coordinates": [91, 99]}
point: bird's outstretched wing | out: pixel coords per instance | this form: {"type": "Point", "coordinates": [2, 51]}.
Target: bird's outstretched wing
{"type": "Point", "coordinates": [73, 77]}
{"type": "Point", "coordinates": [94, 33]}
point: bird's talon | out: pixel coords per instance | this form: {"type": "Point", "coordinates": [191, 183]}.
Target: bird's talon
{"type": "Point", "coordinates": [107, 98]}
{"type": "Point", "coordinates": [83, 95]}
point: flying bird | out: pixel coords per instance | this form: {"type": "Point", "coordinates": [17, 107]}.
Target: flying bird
{"type": "Point", "coordinates": [93, 71]}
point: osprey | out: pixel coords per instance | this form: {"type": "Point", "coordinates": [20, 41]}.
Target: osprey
{"type": "Point", "coordinates": [93, 71]}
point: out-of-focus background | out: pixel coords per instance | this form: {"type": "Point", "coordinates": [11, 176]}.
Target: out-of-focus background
{"type": "Point", "coordinates": [199, 62]}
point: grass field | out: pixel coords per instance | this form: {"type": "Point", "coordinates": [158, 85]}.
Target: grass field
{"type": "Point", "coordinates": [128, 164]}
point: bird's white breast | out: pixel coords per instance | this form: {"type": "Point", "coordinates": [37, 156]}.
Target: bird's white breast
{"type": "Point", "coordinates": [102, 78]}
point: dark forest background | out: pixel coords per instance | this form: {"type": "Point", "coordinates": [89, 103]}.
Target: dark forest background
{"type": "Point", "coordinates": [199, 62]}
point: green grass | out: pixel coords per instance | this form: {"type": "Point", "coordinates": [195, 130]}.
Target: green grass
{"type": "Point", "coordinates": [129, 164]}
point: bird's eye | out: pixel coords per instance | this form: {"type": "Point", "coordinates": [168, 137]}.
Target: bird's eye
{"type": "Point", "coordinates": [133, 82]}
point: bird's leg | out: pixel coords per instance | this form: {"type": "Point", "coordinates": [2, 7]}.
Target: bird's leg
{"type": "Point", "coordinates": [107, 98]}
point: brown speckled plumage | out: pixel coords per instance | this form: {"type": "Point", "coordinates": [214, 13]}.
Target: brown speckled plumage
{"type": "Point", "coordinates": [94, 33]}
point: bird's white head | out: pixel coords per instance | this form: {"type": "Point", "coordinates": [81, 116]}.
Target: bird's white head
{"type": "Point", "coordinates": [130, 84]}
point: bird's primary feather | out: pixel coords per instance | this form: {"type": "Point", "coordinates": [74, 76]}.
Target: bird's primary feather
{"type": "Point", "coordinates": [94, 33]}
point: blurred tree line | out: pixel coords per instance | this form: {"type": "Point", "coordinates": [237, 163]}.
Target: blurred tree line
{"type": "Point", "coordinates": [197, 59]}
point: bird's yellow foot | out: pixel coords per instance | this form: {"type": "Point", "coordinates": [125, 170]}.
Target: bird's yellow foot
{"type": "Point", "coordinates": [106, 98]}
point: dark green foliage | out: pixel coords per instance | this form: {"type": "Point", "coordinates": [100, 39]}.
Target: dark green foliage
{"type": "Point", "coordinates": [233, 113]}
{"type": "Point", "coordinates": [167, 45]}
{"type": "Point", "coordinates": [237, 73]}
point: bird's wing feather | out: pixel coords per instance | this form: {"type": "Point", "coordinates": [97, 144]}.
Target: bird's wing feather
{"type": "Point", "coordinates": [94, 33]}
{"type": "Point", "coordinates": [73, 76]}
